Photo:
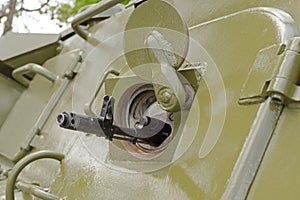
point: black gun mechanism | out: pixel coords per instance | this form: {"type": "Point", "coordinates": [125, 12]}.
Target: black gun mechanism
{"type": "Point", "coordinates": [148, 130]}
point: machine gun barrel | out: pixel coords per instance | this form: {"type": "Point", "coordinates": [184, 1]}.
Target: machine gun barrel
{"type": "Point", "coordinates": [81, 123]}
{"type": "Point", "coordinates": [151, 131]}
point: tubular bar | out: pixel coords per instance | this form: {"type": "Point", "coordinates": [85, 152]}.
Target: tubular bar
{"type": "Point", "coordinates": [36, 191]}
{"type": "Point", "coordinates": [32, 68]}
{"type": "Point", "coordinates": [89, 13]}
{"type": "Point", "coordinates": [16, 170]}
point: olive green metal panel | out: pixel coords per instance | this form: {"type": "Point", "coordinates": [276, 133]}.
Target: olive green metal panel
{"type": "Point", "coordinates": [233, 43]}
{"type": "Point", "coordinates": [17, 49]}
{"type": "Point", "coordinates": [196, 11]}
{"type": "Point", "coordinates": [278, 176]}
{"type": "Point", "coordinates": [9, 94]}
{"type": "Point", "coordinates": [204, 160]}
{"type": "Point", "coordinates": [27, 111]}
{"type": "Point", "coordinates": [23, 116]}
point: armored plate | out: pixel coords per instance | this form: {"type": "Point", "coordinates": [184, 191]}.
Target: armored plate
{"type": "Point", "coordinates": [223, 150]}
{"type": "Point", "coordinates": [155, 26]}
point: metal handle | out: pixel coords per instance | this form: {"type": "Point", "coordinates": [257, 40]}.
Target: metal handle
{"type": "Point", "coordinates": [89, 13]}
{"type": "Point", "coordinates": [32, 68]}
{"type": "Point", "coordinates": [88, 106]}
{"type": "Point", "coordinates": [16, 170]}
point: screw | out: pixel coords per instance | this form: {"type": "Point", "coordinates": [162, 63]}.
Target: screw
{"type": "Point", "coordinates": [165, 95]}
{"type": "Point", "coordinates": [167, 100]}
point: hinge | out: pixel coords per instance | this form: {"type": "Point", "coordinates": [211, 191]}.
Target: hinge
{"type": "Point", "coordinates": [275, 74]}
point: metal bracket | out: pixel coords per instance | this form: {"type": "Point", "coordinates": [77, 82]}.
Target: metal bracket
{"type": "Point", "coordinates": [280, 83]}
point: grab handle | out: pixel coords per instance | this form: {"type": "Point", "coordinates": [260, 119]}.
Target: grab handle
{"type": "Point", "coordinates": [16, 170]}
{"type": "Point", "coordinates": [89, 13]}
{"type": "Point", "coordinates": [32, 68]}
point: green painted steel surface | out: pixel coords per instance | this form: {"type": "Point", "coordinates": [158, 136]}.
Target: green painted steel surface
{"type": "Point", "coordinates": [10, 91]}
{"type": "Point", "coordinates": [211, 155]}
{"type": "Point", "coordinates": [17, 49]}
